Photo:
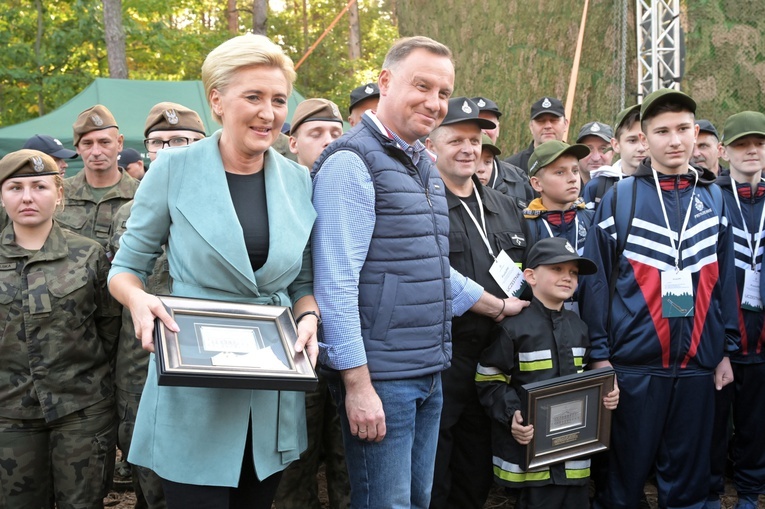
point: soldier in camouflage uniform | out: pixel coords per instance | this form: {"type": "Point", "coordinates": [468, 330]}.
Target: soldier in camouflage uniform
{"type": "Point", "coordinates": [315, 124]}
{"type": "Point", "coordinates": [167, 123]}
{"type": "Point", "coordinates": [59, 328]}
{"type": "Point", "coordinates": [94, 195]}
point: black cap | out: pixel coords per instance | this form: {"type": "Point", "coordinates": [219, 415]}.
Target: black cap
{"type": "Point", "coordinates": [705, 126]}
{"type": "Point", "coordinates": [358, 94]}
{"type": "Point", "coordinates": [599, 129]}
{"type": "Point", "coordinates": [49, 145]}
{"type": "Point", "coordinates": [547, 105]}
{"type": "Point", "coordinates": [462, 109]}
{"type": "Point", "coordinates": [558, 250]}
{"type": "Point", "coordinates": [485, 104]}
{"type": "Point", "coordinates": [128, 156]}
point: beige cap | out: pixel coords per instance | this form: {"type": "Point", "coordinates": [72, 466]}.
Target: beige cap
{"type": "Point", "coordinates": [167, 116]}
{"type": "Point", "coordinates": [315, 109]}
{"type": "Point", "coordinates": [95, 118]}
{"type": "Point", "coordinates": [27, 163]}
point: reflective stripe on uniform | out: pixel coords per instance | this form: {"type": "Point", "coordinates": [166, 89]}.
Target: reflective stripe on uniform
{"type": "Point", "coordinates": [577, 469]}
{"type": "Point", "coordinates": [578, 356]}
{"type": "Point", "coordinates": [512, 472]}
{"type": "Point", "coordinates": [535, 361]}
{"type": "Point", "coordinates": [490, 374]}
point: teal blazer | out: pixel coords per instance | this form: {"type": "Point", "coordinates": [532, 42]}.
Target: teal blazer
{"type": "Point", "coordinates": [197, 435]}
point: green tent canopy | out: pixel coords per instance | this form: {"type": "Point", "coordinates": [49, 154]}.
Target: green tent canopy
{"type": "Point", "coordinates": [128, 100]}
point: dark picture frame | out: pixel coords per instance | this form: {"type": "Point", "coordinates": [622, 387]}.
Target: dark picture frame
{"type": "Point", "coordinates": [568, 415]}
{"type": "Point", "coordinates": [230, 345]}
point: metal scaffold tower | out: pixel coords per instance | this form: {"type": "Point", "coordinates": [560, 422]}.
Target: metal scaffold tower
{"type": "Point", "coordinates": [660, 46]}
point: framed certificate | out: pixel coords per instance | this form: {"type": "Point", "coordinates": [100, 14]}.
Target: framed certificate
{"type": "Point", "coordinates": [568, 415]}
{"type": "Point", "coordinates": [230, 345]}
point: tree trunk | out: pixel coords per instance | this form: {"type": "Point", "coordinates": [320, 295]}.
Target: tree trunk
{"type": "Point", "coordinates": [354, 34]}
{"type": "Point", "coordinates": [38, 44]}
{"type": "Point", "coordinates": [259, 16]}
{"type": "Point", "coordinates": [115, 39]}
{"type": "Point", "coordinates": [233, 17]}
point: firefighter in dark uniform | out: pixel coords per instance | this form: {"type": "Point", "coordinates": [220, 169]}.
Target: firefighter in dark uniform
{"type": "Point", "coordinates": [483, 225]}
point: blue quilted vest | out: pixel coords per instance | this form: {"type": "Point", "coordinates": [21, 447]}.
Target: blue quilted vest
{"type": "Point", "coordinates": [404, 289]}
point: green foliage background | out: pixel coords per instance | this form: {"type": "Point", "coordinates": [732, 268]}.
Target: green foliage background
{"type": "Point", "coordinates": [517, 52]}
{"type": "Point", "coordinates": [169, 41]}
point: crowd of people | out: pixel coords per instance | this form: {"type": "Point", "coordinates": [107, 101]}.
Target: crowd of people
{"type": "Point", "coordinates": [429, 280]}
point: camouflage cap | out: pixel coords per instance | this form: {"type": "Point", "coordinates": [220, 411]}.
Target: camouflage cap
{"type": "Point", "coordinates": [95, 118]}
{"type": "Point", "coordinates": [26, 163]}
{"type": "Point", "coordinates": [167, 116]}
{"type": "Point", "coordinates": [489, 145]}
{"type": "Point", "coordinates": [663, 96]}
{"type": "Point", "coordinates": [743, 124]}
{"type": "Point", "coordinates": [549, 151]}
{"type": "Point", "coordinates": [312, 110]}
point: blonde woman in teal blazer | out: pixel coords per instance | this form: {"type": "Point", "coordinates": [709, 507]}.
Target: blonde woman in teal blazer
{"type": "Point", "coordinates": [194, 438]}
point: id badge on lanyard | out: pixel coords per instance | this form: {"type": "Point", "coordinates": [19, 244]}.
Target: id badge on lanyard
{"type": "Point", "coordinates": [676, 285]}
{"type": "Point", "coordinates": [507, 275]}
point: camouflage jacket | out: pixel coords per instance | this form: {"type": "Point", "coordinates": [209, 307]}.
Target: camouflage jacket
{"type": "Point", "coordinates": [59, 326]}
{"type": "Point", "coordinates": [132, 360]}
{"type": "Point", "coordinates": [82, 214]}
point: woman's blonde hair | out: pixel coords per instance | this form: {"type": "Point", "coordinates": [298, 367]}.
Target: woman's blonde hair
{"type": "Point", "coordinates": [246, 50]}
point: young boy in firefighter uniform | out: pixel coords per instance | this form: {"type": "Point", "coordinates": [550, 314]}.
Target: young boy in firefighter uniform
{"type": "Point", "coordinates": [542, 342]}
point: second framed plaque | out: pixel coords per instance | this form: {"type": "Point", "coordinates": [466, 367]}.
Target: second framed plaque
{"type": "Point", "coordinates": [568, 415]}
{"type": "Point", "coordinates": [230, 345]}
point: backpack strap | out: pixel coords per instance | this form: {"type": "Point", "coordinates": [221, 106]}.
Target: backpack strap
{"type": "Point", "coordinates": [623, 212]}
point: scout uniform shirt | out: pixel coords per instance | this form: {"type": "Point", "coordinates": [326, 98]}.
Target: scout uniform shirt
{"type": "Point", "coordinates": [84, 215]}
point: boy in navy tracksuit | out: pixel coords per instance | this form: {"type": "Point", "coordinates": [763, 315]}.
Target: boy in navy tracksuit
{"type": "Point", "coordinates": [662, 311]}
{"type": "Point", "coordinates": [542, 342]}
{"type": "Point", "coordinates": [744, 194]}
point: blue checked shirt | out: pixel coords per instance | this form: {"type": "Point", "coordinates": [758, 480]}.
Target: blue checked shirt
{"type": "Point", "coordinates": [344, 199]}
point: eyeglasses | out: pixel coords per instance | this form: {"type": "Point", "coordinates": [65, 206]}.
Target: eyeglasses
{"type": "Point", "coordinates": [155, 144]}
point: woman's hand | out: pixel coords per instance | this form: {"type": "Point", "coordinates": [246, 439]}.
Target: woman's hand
{"type": "Point", "coordinates": [307, 339]}
{"type": "Point", "coordinates": [144, 308]}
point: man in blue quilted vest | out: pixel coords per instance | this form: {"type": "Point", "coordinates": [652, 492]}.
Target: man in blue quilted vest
{"type": "Point", "coordinates": [383, 281]}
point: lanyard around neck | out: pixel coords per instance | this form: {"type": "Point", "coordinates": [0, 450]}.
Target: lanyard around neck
{"type": "Point", "coordinates": [675, 249]}
{"type": "Point", "coordinates": [576, 229]}
{"type": "Point", "coordinates": [758, 233]}
{"type": "Point", "coordinates": [480, 227]}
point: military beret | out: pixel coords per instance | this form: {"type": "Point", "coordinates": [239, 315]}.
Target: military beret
{"type": "Point", "coordinates": [167, 116]}
{"type": "Point", "coordinates": [95, 118]}
{"type": "Point", "coordinates": [743, 124]}
{"type": "Point", "coordinates": [549, 151]}
{"type": "Point", "coordinates": [358, 94]}
{"type": "Point", "coordinates": [599, 129]}
{"type": "Point", "coordinates": [663, 96]}
{"type": "Point", "coordinates": [26, 163]}
{"type": "Point", "coordinates": [312, 110]}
